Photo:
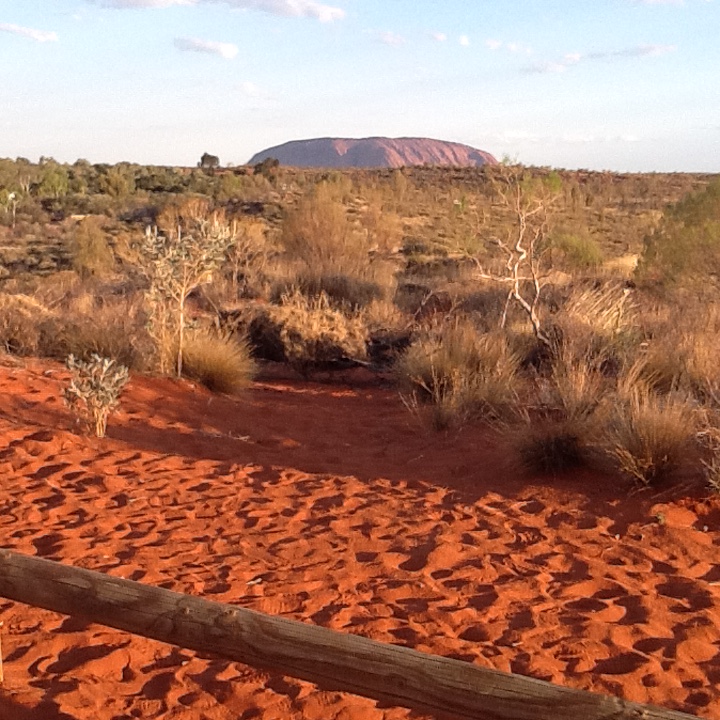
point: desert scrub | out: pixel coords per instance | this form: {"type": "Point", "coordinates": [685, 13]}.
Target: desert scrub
{"type": "Point", "coordinates": [709, 442]}
{"type": "Point", "coordinates": [94, 390]}
{"type": "Point", "coordinates": [460, 372]}
{"type": "Point", "coordinates": [112, 327]}
{"type": "Point", "coordinates": [176, 264]}
{"type": "Point", "coordinates": [90, 249]}
{"type": "Point", "coordinates": [313, 333]}
{"type": "Point", "coordinates": [332, 254]}
{"type": "Point", "coordinates": [22, 319]}
{"type": "Point", "coordinates": [576, 250]}
{"type": "Point", "coordinates": [649, 436]}
{"type": "Point", "coordinates": [221, 362]}
{"type": "Point", "coordinates": [558, 431]}
{"type": "Point", "coordinates": [597, 324]}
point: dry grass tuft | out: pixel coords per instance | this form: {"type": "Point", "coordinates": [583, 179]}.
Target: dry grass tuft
{"type": "Point", "coordinates": [460, 372]}
{"type": "Point", "coordinates": [308, 333]}
{"type": "Point", "coordinates": [21, 320]}
{"type": "Point", "coordinates": [648, 436]}
{"type": "Point", "coordinates": [559, 433]}
{"type": "Point", "coordinates": [548, 446]}
{"type": "Point", "coordinates": [220, 362]}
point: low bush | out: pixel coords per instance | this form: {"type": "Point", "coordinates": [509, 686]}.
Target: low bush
{"type": "Point", "coordinates": [576, 251]}
{"type": "Point", "coordinates": [308, 333]}
{"type": "Point", "coordinates": [21, 321]}
{"type": "Point", "coordinates": [113, 328]}
{"type": "Point", "coordinates": [94, 390]}
{"type": "Point", "coordinates": [331, 254]}
{"type": "Point", "coordinates": [90, 249]}
{"type": "Point", "coordinates": [547, 445]}
{"type": "Point", "coordinates": [342, 291]}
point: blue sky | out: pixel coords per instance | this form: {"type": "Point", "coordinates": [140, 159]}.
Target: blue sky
{"type": "Point", "coordinates": [625, 85]}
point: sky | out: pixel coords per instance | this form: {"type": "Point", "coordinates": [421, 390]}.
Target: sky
{"type": "Point", "coordinates": [620, 85]}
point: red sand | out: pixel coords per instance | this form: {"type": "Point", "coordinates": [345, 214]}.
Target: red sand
{"type": "Point", "coordinates": [332, 506]}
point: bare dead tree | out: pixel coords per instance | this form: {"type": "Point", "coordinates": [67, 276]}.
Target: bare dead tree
{"type": "Point", "coordinates": [529, 201]}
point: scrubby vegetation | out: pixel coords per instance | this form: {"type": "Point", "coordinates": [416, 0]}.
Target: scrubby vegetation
{"type": "Point", "coordinates": [94, 390]}
{"type": "Point", "coordinates": [575, 312]}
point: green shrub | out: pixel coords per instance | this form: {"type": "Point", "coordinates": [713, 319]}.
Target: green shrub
{"type": "Point", "coordinates": [686, 244]}
{"type": "Point", "coordinates": [91, 252]}
{"type": "Point", "coordinates": [94, 390]}
{"type": "Point", "coordinates": [576, 250]}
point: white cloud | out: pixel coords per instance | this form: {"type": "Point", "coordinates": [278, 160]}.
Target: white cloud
{"type": "Point", "coordinates": [439, 36]}
{"type": "Point", "coordinates": [145, 3]}
{"type": "Point", "coordinates": [464, 40]}
{"type": "Point", "coordinates": [292, 8]}
{"type": "Point", "coordinates": [225, 50]}
{"type": "Point", "coordinates": [32, 33]}
{"type": "Point", "coordinates": [286, 8]}
{"type": "Point", "coordinates": [570, 59]}
{"type": "Point", "coordinates": [513, 47]}
{"type": "Point", "coordinates": [388, 37]}
{"type": "Point", "coordinates": [250, 89]}
{"type": "Point", "coordinates": [637, 51]}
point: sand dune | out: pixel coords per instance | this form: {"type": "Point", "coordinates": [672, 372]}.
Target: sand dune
{"type": "Point", "coordinates": [330, 505]}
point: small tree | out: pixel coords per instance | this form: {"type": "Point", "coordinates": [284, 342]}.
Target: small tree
{"type": "Point", "coordinates": [94, 389]}
{"type": "Point", "coordinates": [54, 182]}
{"type": "Point", "coordinates": [248, 249]}
{"type": "Point", "coordinates": [176, 264]}
{"type": "Point", "coordinates": [209, 162]}
{"type": "Point", "coordinates": [10, 201]}
{"type": "Point", "coordinates": [91, 252]}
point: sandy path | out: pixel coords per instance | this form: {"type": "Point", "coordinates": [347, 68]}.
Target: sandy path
{"type": "Point", "coordinates": [330, 505]}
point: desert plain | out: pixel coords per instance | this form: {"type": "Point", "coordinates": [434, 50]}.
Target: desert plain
{"type": "Point", "coordinates": [329, 504]}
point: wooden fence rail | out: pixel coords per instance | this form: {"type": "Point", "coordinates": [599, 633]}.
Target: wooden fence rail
{"type": "Point", "coordinates": [438, 686]}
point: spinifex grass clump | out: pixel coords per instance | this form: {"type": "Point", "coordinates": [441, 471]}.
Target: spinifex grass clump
{"type": "Point", "coordinates": [94, 390]}
{"type": "Point", "coordinates": [461, 372]}
{"type": "Point", "coordinates": [649, 436]}
{"type": "Point", "coordinates": [557, 433]}
{"type": "Point", "coordinates": [220, 362]}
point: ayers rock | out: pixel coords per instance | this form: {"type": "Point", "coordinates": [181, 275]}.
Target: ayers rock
{"type": "Point", "coordinates": [374, 152]}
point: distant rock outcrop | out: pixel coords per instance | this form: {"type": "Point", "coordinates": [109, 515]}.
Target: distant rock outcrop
{"type": "Point", "coordinates": [374, 152]}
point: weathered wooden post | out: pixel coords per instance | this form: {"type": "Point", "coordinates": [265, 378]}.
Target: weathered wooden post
{"type": "Point", "coordinates": [439, 686]}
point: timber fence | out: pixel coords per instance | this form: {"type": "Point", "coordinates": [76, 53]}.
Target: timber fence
{"type": "Point", "coordinates": [442, 687]}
